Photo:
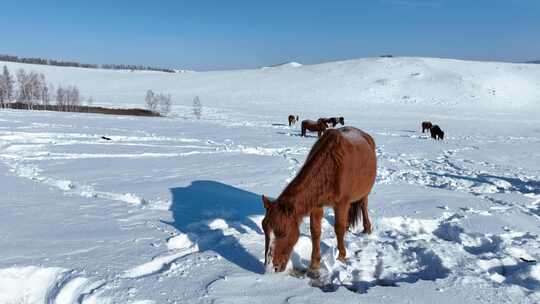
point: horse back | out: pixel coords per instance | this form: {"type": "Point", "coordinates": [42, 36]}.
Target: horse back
{"type": "Point", "coordinates": [355, 161]}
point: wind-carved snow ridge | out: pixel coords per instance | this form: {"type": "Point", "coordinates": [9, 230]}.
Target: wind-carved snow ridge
{"type": "Point", "coordinates": [34, 173]}
{"type": "Point", "coordinates": [179, 246]}
{"type": "Point", "coordinates": [31, 284]}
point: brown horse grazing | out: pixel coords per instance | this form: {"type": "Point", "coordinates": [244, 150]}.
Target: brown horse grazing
{"type": "Point", "coordinates": [339, 171]}
{"type": "Point", "coordinates": [314, 126]}
{"type": "Point", "coordinates": [426, 125]}
{"type": "Point", "coordinates": [334, 121]}
{"type": "Point", "coordinates": [292, 120]}
{"type": "Point", "coordinates": [436, 132]}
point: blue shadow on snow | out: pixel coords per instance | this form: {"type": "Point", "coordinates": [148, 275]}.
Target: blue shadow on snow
{"type": "Point", "coordinates": [198, 204]}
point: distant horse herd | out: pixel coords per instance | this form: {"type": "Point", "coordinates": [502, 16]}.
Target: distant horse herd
{"type": "Point", "coordinates": [435, 130]}
{"type": "Point", "coordinates": [319, 126]}
{"type": "Point", "coordinates": [339, 172]}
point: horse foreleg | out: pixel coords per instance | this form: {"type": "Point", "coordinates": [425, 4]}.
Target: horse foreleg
{"type": "Point", "coordinates": [315, 227]}
{"type": "Point", "coordinates": [340, 226]}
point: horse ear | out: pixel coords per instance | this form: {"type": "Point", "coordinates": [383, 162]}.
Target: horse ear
{"type": "Point", "coordinates": [287, 209]}
{"type": "Point", "coordinates": [266, 202]}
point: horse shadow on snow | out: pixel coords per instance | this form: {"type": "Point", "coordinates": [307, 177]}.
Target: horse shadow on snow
{"type": "Point", "coordinates": [211, 213]}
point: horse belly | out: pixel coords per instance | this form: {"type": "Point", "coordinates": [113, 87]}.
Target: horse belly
{"type": "Point", "coordinates": [358, 176]}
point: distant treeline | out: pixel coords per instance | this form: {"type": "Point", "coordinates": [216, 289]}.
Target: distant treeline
{"type": "Point", "coordinates": [42, 61]}
{"type": "Point", "coordinates": [82, 109]}
{"type": "Point", "coordinates": [534, 61]}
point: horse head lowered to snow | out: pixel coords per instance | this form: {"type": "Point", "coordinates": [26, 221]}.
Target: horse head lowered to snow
{"type": "Point", "coordinates": [339, 171]}
{"type": "Point", "coordinates": [318, 126]}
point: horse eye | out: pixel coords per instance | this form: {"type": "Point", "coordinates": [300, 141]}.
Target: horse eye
{"type": "Point", "coordinates": [279, 233]}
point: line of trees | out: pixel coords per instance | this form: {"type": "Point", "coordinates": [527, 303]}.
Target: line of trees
{"type": "Point", "coordinates": [158, 102]}
{"type": "Point", "coordinates": [31, 88]}
{"type": "Point", "coordinates": [43, 61]}
{"type": "Point", "coordinates": [135, 67]}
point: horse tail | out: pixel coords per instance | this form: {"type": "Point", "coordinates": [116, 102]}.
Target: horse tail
{"type": "Point", "coordinates": [355, 212]}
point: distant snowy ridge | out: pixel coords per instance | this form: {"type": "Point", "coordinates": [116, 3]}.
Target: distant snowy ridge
{"type": "Point", "coordinates": [284, 64]}
{"type": "Point", "coordinates": [329, 87]}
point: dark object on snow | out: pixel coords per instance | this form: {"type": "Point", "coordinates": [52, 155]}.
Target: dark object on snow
{"type": "Point", "coordinates": [426, 125]}
{"type": "Point", "coordinates": [106, 138]}
{"type": "Point", "coordinates": [436, 132]}
{"type": "Point", "coordinates": [82, 109]}
{"type": "Point", "coordinates": [527, 260]}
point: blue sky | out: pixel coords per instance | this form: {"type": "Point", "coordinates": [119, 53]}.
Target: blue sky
{"type": "Point", "coordinates": [228, 34]}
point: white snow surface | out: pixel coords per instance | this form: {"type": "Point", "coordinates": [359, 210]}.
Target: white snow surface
{"type": "Point", "coordinates": [169, 210]}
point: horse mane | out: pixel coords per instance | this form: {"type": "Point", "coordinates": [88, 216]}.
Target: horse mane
{"type": "Point", "coordinates": [314, 178]}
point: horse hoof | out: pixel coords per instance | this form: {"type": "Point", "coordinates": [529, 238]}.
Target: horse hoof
{"type": "Point", "coordinates": [342, 259]}
{"type": "Point", "coordinates": [367, 231]}
{"type": "Point", "coordinates": [315, 266]}
{"type": "Point", "coordinates": [313, 273]}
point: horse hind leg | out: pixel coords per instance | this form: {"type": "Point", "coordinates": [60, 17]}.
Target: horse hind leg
{"type": "Point", "coordinates": [315, 227]}
{"type": "Point", "coordinates": [341, 220]}
{"type": "Point", "coordinates": [365, 216]}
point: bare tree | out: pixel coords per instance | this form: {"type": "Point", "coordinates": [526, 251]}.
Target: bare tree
{"type": "Point", "coordinates": [51, 95]}
{"type": "Point", "coordinates": [68, 98]}
{"type": "Point", "coordinates": [151, 100]}
{"type": "Point", "coordinates": [74, 97]}
{"type": "Point", "coordinates": [197, 107]}
{"type": "Point", "coordinates": [22, 90]}
{"type": "Point", "coordinates": [164, 103]}
{"type": "Point", "coordinates": [6, 87]}
{"type": "Point", "coordinates": [28, 87]}
{"type": "Point", "coordinates": [61, 98]}
{"type": "Point", "coordinates": [41, 90]}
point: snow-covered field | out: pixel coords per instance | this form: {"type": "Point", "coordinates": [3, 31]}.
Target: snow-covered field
{"type": "Point", "coordinates": [169, 210]}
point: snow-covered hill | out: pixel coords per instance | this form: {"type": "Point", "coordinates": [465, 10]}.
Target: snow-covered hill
{"type": "Point", "coordinates": [337, 86]}
{"type": "Point", "coordinates": [169, 210]}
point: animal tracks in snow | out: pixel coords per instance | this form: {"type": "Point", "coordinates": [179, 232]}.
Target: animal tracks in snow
{"type": "Point", "coordinates": [406, 250]}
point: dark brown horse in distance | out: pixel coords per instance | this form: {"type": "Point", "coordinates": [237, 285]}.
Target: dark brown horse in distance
{"type": "Point", "coordinates": [426, 125]}
{"type": "Point", "coordinates": [334, 121]}
{"type": "Point", "coordinates": [339, 172]}
{"type": "Point", "coordinates": [436, 132]}
{"type": "Point", "coordinates": [314, 126]}
{"type": "Point", "coordinates": [293, 119]}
